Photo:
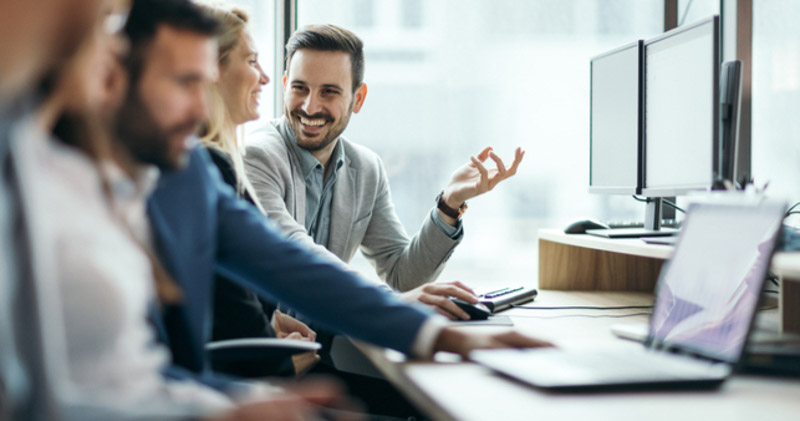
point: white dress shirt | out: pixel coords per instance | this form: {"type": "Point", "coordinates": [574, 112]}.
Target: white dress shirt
{"type": "Point", "coordinates": [106, 285]}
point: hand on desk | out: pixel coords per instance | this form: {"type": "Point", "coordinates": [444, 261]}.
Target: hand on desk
{"type": "Point", "coordinates": [288, 327]}
{"type": "Point", "coordinates": [463, 342]}
{"type": "Point", "coordinates": [437, 295]}
{"type": "Point", "coordinates": [309, 399]}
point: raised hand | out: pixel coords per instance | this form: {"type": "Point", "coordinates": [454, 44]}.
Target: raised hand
{"type": "Point", "coordinates": [473, 179]}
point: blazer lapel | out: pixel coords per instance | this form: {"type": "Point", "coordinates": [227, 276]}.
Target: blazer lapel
{"type": "Point", "coordinates": [165, 240]}
{"type": "Point", "coordinates": [343, 210]}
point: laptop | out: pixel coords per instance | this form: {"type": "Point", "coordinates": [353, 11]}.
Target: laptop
{"type": "Point", "coordinates": [706, 301]}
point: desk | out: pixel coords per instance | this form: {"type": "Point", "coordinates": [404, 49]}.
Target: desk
{"type": "Point", "coordinates": [466, 391]}
{"type": "Point", "coordinates": [585, 262]}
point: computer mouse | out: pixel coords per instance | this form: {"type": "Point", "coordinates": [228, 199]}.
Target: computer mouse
{"type": "Point", "coordinates": [476, 311]}
{"type": "Point", "coordinates": [580, 227]}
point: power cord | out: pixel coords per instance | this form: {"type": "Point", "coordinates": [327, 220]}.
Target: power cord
{"type": "Point", "coordinates": [791, 208]}
{"type": "Point", "coordinates": [666, 202]}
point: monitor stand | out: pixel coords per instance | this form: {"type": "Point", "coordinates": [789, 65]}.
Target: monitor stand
{"type": "Point", "coordinates": [652, 225]}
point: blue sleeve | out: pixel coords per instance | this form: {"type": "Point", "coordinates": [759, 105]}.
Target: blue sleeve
{"type": "Point", "coordinates": [253, 252]}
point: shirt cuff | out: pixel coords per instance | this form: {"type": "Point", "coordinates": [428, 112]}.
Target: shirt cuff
{"type": "Point", "coordinates": [451, 231]}
{"type": "Point", "coordinates": [426, 337]}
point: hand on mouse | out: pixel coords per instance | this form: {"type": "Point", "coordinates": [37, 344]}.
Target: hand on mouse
{"type": "Point", "coordinates": [437, 295]}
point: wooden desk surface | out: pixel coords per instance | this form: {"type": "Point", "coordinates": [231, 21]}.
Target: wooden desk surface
{"type": "Point", "coordinates": [466, 391]}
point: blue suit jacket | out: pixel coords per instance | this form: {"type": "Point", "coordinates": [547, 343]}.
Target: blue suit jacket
{"type": "Point", "coordinates": [202, 228]}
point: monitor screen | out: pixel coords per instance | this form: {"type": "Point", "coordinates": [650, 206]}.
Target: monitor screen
{"type": "Point", "coordinates": [708, 291]}
{"type": "Point", "coordinates": [615, 133]}
{"type": "Point", "coordinates": [680, 106]}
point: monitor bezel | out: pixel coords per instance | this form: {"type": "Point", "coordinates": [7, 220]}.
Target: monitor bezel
{"type": "Point", "coordinates": [621, 190]}
{"type": "Point", "coordinates": [715, 166]}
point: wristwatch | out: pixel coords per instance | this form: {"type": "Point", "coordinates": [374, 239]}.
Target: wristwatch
{"type": "Point", "coordinates": [447, 210]}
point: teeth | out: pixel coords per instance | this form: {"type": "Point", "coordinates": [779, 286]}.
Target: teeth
{"type": "Point", "coordinates": [308, 122]}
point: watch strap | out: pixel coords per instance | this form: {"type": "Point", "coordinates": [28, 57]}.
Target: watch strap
{"type": "Point", "coordinates": [447, 210]}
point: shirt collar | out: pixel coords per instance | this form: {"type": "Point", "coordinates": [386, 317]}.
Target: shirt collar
{"type": "Point", "coordinates": [126, 189]}
{"type": "Point", "coordinates": [307, 160]}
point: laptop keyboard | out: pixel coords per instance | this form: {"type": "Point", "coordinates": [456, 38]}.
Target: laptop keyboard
{"type": "Point", "coordinates": [644, 364]}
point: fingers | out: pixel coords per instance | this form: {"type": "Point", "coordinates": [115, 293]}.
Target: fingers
{"type": "Point", "coordinates": [464, 287]}
{"type": "Point", "coordinates": [483, 183]}
{"type": "Point", "coordinates": [484, 153]}
{"type": "Point", "coordinates": [501, 171]}
{"type": "Point", "coordinates": [303, 329]}
{"type": "Point", "coordinates": [283, 323]}
{"type": "Point", "coordinates": [303, 362]}
{"type": "Point", "coordinates": [295, 335]}
{"type": "Point", "coordinates": [445, 313]}
{"type": "Point", "coordinates": [452, 290]}
{"type": "Point", "coordinates": [444, 306]}
{"type": "Point", "coordinates": [518, 155]}
{"type": "Point", "coordinates": [514, 339]}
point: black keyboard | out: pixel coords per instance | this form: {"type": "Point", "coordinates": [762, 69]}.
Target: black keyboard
{"type": "Point", "coordinates": [504, 298]}
{"type": "Point", "coordinates": [667, 223]}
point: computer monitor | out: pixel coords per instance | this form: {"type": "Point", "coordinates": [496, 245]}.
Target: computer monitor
{"type": "Point", "coordinates": [681, 113]}
{"type": "Point", "coordinates": [615, 121]}
{"type": "Point", "coordinates": [730, 113]}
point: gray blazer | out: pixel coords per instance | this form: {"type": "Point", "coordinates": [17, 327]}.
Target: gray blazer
{"type": "Point", "coordinates": [362, 212]}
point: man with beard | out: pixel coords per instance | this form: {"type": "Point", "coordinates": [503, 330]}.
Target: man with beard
{"type": "Point", "coordinates": [333, 194]}
{"type": "Point", "coordinates": [198, 227]}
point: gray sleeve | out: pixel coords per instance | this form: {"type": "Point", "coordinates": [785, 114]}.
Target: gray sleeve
{"type": "Point", "coordinates": [404, 263]}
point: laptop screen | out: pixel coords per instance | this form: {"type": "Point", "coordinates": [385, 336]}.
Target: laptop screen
{"type": "Point", "coordinates": [708, 291]}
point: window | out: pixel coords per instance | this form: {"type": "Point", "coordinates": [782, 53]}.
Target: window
{"type": "Point", "coordinates": [693, 10]}
{"type": "Point", "coordinates": [776, 97]}
{"type": "Point", "coordinates": [448, 78]}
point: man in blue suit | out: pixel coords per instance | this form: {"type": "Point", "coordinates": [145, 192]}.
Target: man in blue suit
{"type": "Point", "coordinates": [200, 228]}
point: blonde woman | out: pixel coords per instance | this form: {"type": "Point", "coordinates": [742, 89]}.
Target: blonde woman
{"type": "Point", "coordinates": [239, 313]}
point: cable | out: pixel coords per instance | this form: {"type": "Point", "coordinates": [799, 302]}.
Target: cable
{"type": "Point", "coordinates": [791, 208]}
{"type": "Point", "coordinates": [584, 307]}
{"type": "Point", "coordinates": [672, 205]}
{"type": "Point", "coordinates": [586, 316]}
{"type": "Point", "coordinates": [666, 202]}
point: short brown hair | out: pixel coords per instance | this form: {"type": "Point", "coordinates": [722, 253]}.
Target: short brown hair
{"type": "Point", "coordinates": [329, 38]}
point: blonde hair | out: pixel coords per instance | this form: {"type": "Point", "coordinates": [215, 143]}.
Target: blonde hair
{"type": "Point", "coordinates": [219, 132]}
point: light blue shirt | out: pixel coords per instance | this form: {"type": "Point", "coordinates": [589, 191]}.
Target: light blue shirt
{"type": "Point", "coordinates": [319, 191]}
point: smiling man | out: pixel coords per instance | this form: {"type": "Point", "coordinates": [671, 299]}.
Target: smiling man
{"type": "Point", "coordinates": [333, 194]}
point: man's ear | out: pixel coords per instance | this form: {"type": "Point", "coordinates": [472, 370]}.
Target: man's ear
{"type": "Point", "coordinates": [284, 81]}
{"type": "Point", "coordinates": [360, 96]}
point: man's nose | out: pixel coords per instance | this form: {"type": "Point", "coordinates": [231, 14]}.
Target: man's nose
{"type": "Point", "coordinates": [311, 104]}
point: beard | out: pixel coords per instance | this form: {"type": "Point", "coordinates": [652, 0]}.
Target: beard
{"type": "Point", "coordinates": [146, 140]}
{"type": "Point", "coordinates": [313, 144]}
